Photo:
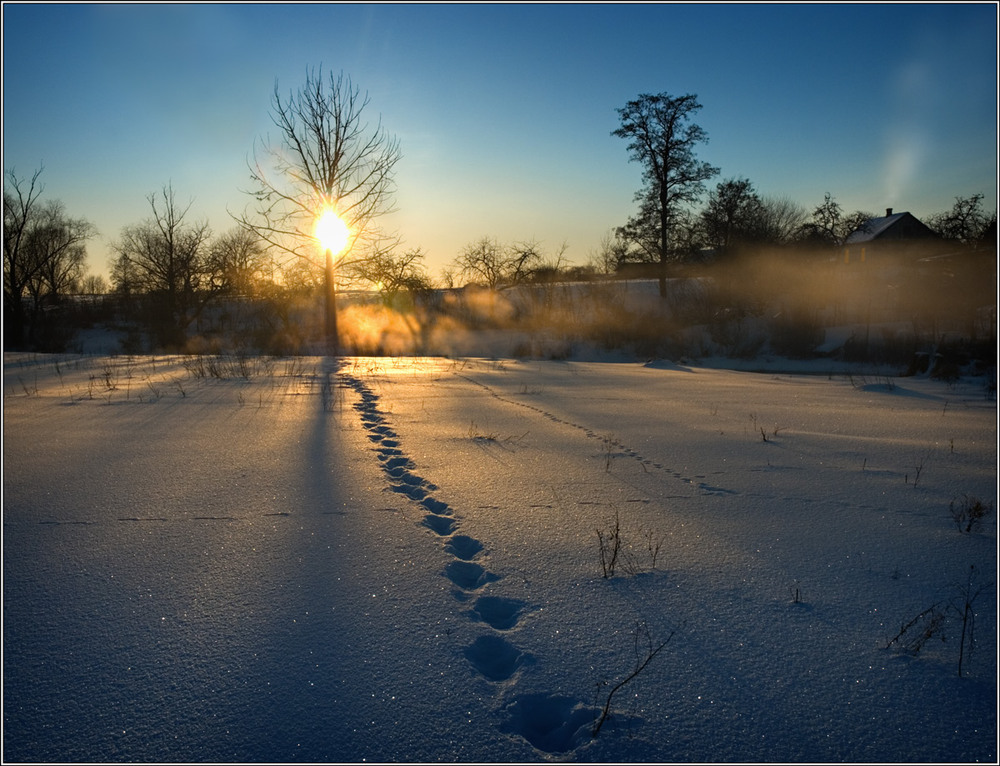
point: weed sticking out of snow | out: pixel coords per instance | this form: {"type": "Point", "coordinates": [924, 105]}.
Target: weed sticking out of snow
{"type": "Point", "coordinates": [933, 622]}
{"type": "Point", "coordinates": [616, 553]}
{"type": "Point", "coordinates": [644, 651]}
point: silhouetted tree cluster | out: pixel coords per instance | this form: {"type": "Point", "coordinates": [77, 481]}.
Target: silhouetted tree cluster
{"type": "Point", "coordinates": [176, 282]}
{"type": "Point", "coordinates": [735, 218]}
{"type": "Point", "coordinates": [669, 227]}
{"type": "Point", "coordinates": [237, 263]}
{"type": "Point", "coordinates": [44, 255]}
{"type": "Point", "coordinates": [967, 223]}
{"type": "Point", "coordinates": [166, 258]}
{"type": "Point", "coordinates": [488, 263]}
{"type": "Point", "coordinates": [394, 275]}
{"type": "Point", "coordinates": [829, 225]}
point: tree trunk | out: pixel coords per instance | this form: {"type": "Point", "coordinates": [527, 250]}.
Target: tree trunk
{"type": "Point", "coordinates": [14, 323]}
{"type": "Point", "coordinates": [663, 245]}
{"type": "Point", "coordinates": [332, 345]}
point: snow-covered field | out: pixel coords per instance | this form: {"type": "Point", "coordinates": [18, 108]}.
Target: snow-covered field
{"type": "Point", "coordinates": [399, 560]}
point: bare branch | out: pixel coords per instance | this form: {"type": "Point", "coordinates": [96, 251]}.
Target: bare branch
{"type": "Point", "coordinates": [328, 157]}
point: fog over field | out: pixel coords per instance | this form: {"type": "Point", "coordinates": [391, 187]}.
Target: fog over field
{"type": "Point", "coordinates": [246, 558]}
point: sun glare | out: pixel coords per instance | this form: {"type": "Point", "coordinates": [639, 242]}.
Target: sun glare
{"type": "Point", "coordinates": [331, 232]}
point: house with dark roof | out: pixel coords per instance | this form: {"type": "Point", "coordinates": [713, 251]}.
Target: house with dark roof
{"type": "Point", "coordinates": [893, 231]}
{"type": "Point", "coordinates": [879, 269]}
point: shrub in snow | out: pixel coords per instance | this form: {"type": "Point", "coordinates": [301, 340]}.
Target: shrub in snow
{"type": "Point", "coordinates": [609, 543]}
{"type": "Point", "coordinates": [615, 554]}
{"type": "Point", "coordinates": [932, 621]}
{"type": "Point", "coordinates": [968, 514]}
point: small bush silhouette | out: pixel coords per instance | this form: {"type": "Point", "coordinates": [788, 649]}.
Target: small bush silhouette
{"type": "Point", "coordinates": [609, 543]}
{"type": "Point", "coordinates": [932, 621]}
{"type": "Point", "coordinates": [968, 514]}
{"type": "Point", "coordinates": [615, 553]}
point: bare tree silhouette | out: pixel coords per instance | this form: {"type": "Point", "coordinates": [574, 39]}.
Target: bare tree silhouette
{"type": "Point", "coordinates": [662, 138]}
{"type": "Point", "coordinates": [43, 252]}
{"type": "Point", "coordinates": [327, 158]}
{"type": "Point", "coordinates": [166, 257]}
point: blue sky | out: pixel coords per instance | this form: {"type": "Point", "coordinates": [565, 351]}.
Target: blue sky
{"type": "Point", "coordinates": [504, 112]}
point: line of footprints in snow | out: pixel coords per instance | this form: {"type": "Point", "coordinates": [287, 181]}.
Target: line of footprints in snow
{"type": "Point", "coordinates": [552, 724]}
{"type": "Point", "coordinates": [492, 655]}
{"type": "Point", "coordinates": [626, 451]}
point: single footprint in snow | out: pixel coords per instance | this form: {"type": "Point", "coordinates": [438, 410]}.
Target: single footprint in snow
{"type": "Point", "coordinates": [463, 547]}
{"type": "Point", "coordinates": [441, 525]}
{"type": "Point", "coordinates": [708, 489]}
{"type": "Point", "coordinates": [403, 476]}
{"type": "Point", "coordinates": [436, 506]}
{"type": "Point", "coordinates": [468, 575]}
{"type": "Point", "coordinates": [498, 613]}
{"type": "Point", "coordinates": [414, 493]}
{"type": "Point", "coordinates": [494, 657]}
{"type": "Point", "coordinates": [550, 723]}
{"type": "Point", "coordinates": [395, 461]}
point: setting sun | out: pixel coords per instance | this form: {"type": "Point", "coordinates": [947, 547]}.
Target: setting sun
{"type": "Point", "coordinates": [331, 232]}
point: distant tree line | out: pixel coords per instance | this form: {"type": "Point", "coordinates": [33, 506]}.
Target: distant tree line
{"type": "Point", "coordinates": [170, 273]}
{"type": "Point", "coordinates": [668, 227]}
{"type": "Point", "coordinates": [44, 255]}
{"type": "Point", "coordinates": [678, 223]}
{"type": "Point", "coordinates": [735, 219]}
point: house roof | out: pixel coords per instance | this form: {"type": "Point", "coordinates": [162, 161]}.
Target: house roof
{"type": "Point", "coordinates": [873, 228]}
{"type": "Point", "coordinates": [898, 226]}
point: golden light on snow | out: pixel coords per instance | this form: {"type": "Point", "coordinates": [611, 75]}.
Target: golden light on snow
{"type": "Point", "coordinates": [331, 232]}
